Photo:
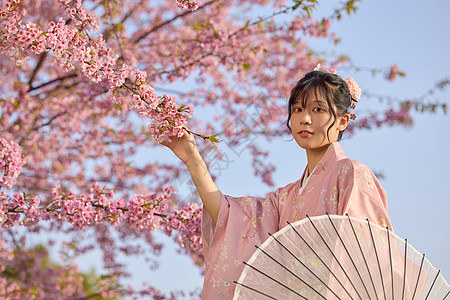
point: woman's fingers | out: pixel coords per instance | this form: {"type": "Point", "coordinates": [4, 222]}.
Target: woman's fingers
{"type": "Point", "coordinates": [168, 143]}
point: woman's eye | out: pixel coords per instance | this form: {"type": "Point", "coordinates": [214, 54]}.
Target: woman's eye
{"type": "Point", "coordinates": [297, 109]}
{"type": "Point", "coordinates": [318, 109]}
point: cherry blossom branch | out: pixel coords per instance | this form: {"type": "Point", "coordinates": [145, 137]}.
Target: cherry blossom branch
{"type": "Point", "coordinates": [212, 138]}
{"type": "Point", "coordinates": [168, 118]}
{"type": "Point", "coordinates": [97, 62]}
{"type": "Point", "coordinates": [90, 209]}
{"type": "Point", "coordinates": [161, 25]}
{"type": "Point", "coordinates": [247, 26]}
{"type": "Point", "coordinates": [349, 7]}
{"type": "Point", "coordinates": [52, 207]}
{"type": "Point", "coordinates": [98, 206]}
{"type": "Point", "coordinates": [49, 122]}
{"type": "Point", "coordinates": [36, 69]}
{"type": "Point", "coordinates": [114, 27]}
{"type": "Point", "coordinates": [306, 7]}
{"type": "Point", "coordinates": [68, 76]}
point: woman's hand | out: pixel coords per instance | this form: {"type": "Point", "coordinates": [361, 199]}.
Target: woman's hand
{"type": "Point", "coordinates": [183, 147]}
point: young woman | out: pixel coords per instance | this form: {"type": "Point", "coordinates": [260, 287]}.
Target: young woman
{"type": "Point", "coordinates": [318, 114]}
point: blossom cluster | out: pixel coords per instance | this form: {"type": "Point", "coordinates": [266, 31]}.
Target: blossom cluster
{"type": "Point", "coordinates": [168, 119]}
{"type": "Point", "coordinates": [311, 27]}
{"type": "Point", "coordinates": [187, 223]}
{"type": "Point", "coordinates": [187, 4]}
{"type": "Point", "coordinates": [85, 209]}
{"type": "Point", "coordinates": [16, 265]}
{"type": "Point", "coordinates": [262, 169]}
{"type": "Point", "coordinates": [11, 162]}
{"type": "Point", "coordinates": [49, 282]}
{"type": "Point", "coordinates": [141, 212]}
{"type": "Point", "coordinates": [70, 46]}
{"type": "Point", "coordinates": [394, 72]}
{"type": "Point", "coordinates": [79, 15]}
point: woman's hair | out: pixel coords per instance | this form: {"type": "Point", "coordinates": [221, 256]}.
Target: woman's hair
{"type": "Point", "coordinates": [329, 85]}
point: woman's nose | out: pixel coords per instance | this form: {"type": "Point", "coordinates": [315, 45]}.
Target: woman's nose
{"type": "Point", "coordinates": [305, 118]}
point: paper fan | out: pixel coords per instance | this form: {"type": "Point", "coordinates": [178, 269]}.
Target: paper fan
{"type": "Point", "coordinates": [338, 257]}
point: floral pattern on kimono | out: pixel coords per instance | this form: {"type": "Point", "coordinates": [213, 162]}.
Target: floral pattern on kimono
{"type": "Point", "coordinates": [338, 185]}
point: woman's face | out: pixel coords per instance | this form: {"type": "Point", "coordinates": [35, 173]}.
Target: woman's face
{"type": "Point", "coordinates": [310, 123]}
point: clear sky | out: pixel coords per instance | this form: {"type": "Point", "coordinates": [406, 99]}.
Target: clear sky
{"type": "Point", "coordinates": [414, 161]}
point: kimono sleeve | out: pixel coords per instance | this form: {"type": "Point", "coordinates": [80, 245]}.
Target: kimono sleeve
{"type": "Point", "coordinates": [242, 223]}
{"type": "Point", "coordinates": [361, 194]}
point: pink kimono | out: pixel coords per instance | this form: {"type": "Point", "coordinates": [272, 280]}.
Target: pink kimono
{"type": "Point", "coordinates": [338, 185]}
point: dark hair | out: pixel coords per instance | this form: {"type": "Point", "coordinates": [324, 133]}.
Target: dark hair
{"type": "Point", "coordinates": [329, 85]}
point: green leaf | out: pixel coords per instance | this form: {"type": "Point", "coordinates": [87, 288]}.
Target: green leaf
{"type": "Point", "coordinates": [306, 9]}
{"type": "Point", "coordinates": [246, 67]}
{"type": "Point", "coordinates": [246, 24]}
{"type": "Point", "coordinates": [113, 217]}
{"type": "Point", "coordinates": [119, 26]}
{"type": "Point", "coordinates": [295, 6]}
{"type": "Point", "coordinates": [213, 139]}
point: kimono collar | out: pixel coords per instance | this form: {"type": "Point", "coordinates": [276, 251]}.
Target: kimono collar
{"type": "Point", "coordinates": [333, 154]}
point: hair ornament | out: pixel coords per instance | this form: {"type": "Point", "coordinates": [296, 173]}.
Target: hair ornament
{"type": "Point", "coordinates": [353, 88]}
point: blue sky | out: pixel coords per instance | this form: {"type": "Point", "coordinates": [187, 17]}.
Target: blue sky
{"type": "Point", "coordinates": [414, 161]}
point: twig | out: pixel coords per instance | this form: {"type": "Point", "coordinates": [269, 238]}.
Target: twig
{"type": "Point", "coordinates": [49, 121]}
{"type": "Point", "coordinates": [157, 27]}
{"type": "Point", "coordinates": [72, 75]}
{"type": "Point", "coordinates": [36, 69]}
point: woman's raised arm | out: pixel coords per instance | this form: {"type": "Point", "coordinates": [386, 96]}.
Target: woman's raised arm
{"type": "Point", "coordinates": [186, 150]}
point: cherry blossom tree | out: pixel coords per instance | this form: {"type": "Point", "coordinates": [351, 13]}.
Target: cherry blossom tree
{"type": "Point", "coordinates": [88, 86]}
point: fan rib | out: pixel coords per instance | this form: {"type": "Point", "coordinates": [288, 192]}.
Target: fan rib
{"type": "Point", "coordinates": [337, 260]}
{"type": "Point", "coordinates": [273, 279]}
{"type": "Point", "coordinates": [390, 260]}
{"type": "Point", "coordinates": [362, 253]}
{"type": "Point", "coordinates": [404, 269]}
{"type": "Point", "coordinates": [348, 253]}
{"type": "Point", "coordinates": [432, 285]}
{"type": "Point", "coordinates": [378, 260]}
{"type": "Point", "coordinates": [446, 295]}
{"type": "Point", "coordinates": [418, 277]}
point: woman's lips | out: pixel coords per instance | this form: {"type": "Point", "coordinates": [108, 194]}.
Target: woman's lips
{"type": "Point", "coordinates": [304, 133]}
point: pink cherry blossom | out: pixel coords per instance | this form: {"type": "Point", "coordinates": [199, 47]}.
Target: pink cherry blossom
{"type": "Point", "coordinates": [11, 162]}
{"type": "Point", "coordinates": [393, 73]}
